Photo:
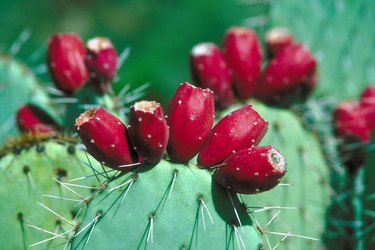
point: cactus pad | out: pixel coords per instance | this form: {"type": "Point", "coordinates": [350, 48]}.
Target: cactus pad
{"type": "Point", "coordinates": [27, 178]}
{"type": "Point", "coordinates": [17, 86]}
{"type": "Point", "coordinates": [170, 206]}
{"type": "Point", "coordinates": [297, 205]}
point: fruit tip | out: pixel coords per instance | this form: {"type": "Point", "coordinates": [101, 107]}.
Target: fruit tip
{"type": "Point", "coordinates": [203, 49]}
{"type": "Point", "coordinates": [277, 160]}
{"type": "Point", "coordinates": [146, 106]}
{"type": "Point", "coordinates": [85, 116]}
{"type": "Point", "coordinates": [97, 44]}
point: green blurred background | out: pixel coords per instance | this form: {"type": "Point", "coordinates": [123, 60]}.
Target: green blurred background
{"type": "Point", "coordinates": [160, 33]}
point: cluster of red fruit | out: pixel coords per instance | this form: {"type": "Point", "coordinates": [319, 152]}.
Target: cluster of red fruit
{"type": "Point", "coordinates": [289, 75]}
{"type": "Point", "coordinates": [230, 147]}
{"type": "Point", "coordinates": [356, 118]}
{"type": "Point", "coordinates": [72, 64]}
{"type": "Point", "coordinates": [354, 122]}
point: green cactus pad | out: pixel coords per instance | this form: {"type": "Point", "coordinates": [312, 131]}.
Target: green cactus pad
{"type": "Point", "coordinates": [301, 200]}
{"type": "Point", "coordinates": [26, 174]}
{"type": "Point", "coordinates": [170, 206]}
{"type": "Point", "coordinates": [18, 86]}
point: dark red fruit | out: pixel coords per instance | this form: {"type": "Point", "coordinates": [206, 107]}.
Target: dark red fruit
{"type": "Point", "coordinates": [350, 120]}
{"type": "Point", "coordinates": [148, 130]}
{"type": "Point", "coordinates": [101, 60]}
{"type": "Point", "coordinates": [252, 170]}
{"type": "Point", "coordinates": [290, 68]}
{"type": "Point", "coordinates": [244, 57]}
{"type": "Point", "coordinates": [209, 70]}
{"type": "Point", "coordinates": [277, 39]}
{"type": "Point", "coordinates": [190, 117]}
{"type": "Point", "coordinates": [66, 61]}
{"type": "Point", "coordinates": [240, 129]}
{"type": "Point", "coordinates": [106, 138]}
{"type": "Point", "coordinates": [297, 95]}
{"type": "Point", "coordinates": [33, 119]}
{"type": "Point", "coordinates": [367, 101]}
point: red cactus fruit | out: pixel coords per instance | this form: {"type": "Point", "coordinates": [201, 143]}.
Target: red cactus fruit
{"type": "Point", "coordinates": [290, 68]}
{"type": "Point", "coordinates": [240, 129]}
{"type": "Point", "coordinates": [101, 60]}
{"type": "Point", "coordinates": [148, 130]}
{"type": "Point", "coordinates": [32, 119]}
{"type": "Point", "coordinates": [190, 117]}
{"type": "Point", "coordinates": [350, 120]}
{"type": "Point", "coordinates": [66, 61]}
{"type": "Point", "coordinates": [252, 170]}
{"type": "Point", "coordinates": [106, 138]}
{"type": "Point", "coordinates": [244, 57]}
{"type": "Point", "coordinates": [367, 101]}
{"type": "Point", "coordinates": [276, 40]}
{"type": "Point", "coordinates": [209, 70]}
{"type": "Point", "coordinates": [296, 95]}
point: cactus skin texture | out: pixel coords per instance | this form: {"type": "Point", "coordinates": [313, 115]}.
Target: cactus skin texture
{"type": "Point", "coordinates": [167, 207]}
{"type": "Point", "coordinates": [25, 175]}
{"type": "Point", "coordinates": [301, 203]}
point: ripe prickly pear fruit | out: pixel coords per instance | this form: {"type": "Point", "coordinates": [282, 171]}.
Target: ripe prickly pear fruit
{"type": "Point", "coordinates": [350, 120]}
{"type": "Point", "coordinates": [290, 68]}
{"type": "Point", "coordinates": [101, 61]}
{"type": "Point", "coordinates": [297, 95]}
{"type": "Point", "coordinates": [190, 117]}
{"type": "Point", "coordinates": [148, 130]}
{"type": "Point", "coordinates": [209, 70]}
{"type": "Point", "coordinates": [277, 39]}
{"type": "Point", "coordinates": [106, 138]}
{"type": "Point", "coordinates": [32, 119]}
{"type": "Point", "coordinates": [242, 128]}
{"type": "Point", "coordinates": [252, 170]}
{"type": "Point", "coordinates": [351, 127]}
{"type": "Point", "coordinates": [66, 61]}
{"type": "Point", "coordinates": [367, 101]}
{"type": "Point", "coordinates": [244, 57]}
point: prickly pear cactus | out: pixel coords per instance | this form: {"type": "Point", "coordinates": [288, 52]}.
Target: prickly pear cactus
{"type": "Point", "coordinates": [171, 192]}
{"type": "Point", "coordinates": [293, 212]}
{"type": "Point", "coordinates": [18, 85]}
{"type": "Point", "coordinates": [168, 206]}
{"type": "Point", "coordinates": [37, 204]}
{"type": "Point", "coordinates": [338, 34]}
{"type": "Point", "coordinates": [173, 205]}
